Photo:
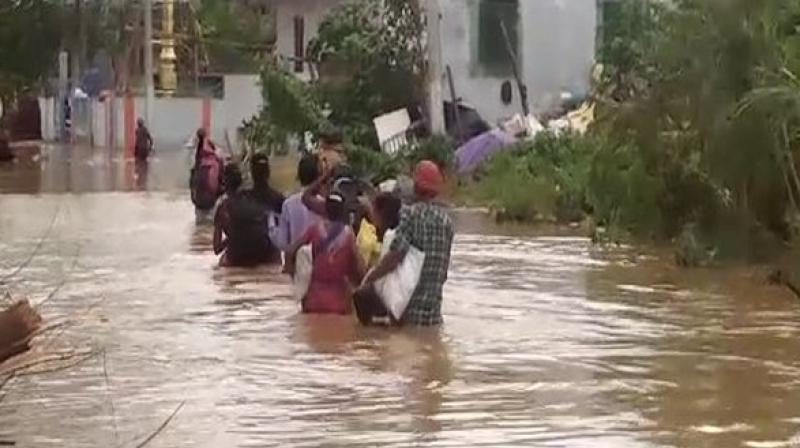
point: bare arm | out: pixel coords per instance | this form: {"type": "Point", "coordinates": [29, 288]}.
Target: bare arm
{"type": "Point", "coordinates": [359, 268]}
{"type": "Point", "coordinates": [311, 196]}
{"type": "Point", "coordinates": [220, 242]}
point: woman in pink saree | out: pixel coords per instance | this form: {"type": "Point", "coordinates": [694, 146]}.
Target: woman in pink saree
{"type": "Point", "coordinates": [336, 264]}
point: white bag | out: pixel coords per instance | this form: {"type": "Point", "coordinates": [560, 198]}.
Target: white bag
{"type": "Point", "coordinates": [396, 289]}
{"type": "Point", "coordinates": [303, 266]}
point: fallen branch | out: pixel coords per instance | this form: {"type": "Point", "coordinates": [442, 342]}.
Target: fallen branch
{"type": "Point", "coordinates": [25, 368]}
{"type": "Point", "coordinates": [36, 249]}
{"type": "Point", "coordinates": [161, 428]}
{"type": "Point", "coordinates": [57, 368]}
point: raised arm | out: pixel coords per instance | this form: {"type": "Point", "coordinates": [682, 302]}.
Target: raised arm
{"type": "Point", "coordinates": [220, 242]}
{"type": "Point", "coordinates": [311, 196]}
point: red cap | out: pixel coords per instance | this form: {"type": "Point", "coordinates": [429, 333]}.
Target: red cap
{"type": "Point", "coordinates": [428, 179]}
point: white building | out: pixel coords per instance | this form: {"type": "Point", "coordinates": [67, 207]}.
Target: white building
{"type": "Point", "coordinates": [554, 39]}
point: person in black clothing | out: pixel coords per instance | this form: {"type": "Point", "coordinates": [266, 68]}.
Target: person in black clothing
{"type": "Point", "coordinates": [6, 155]}
{"type": "Point", "coordinates": [240, 226]}
{"type": "Point", "coordinates": [143, 145]}
{"type": "Point", "coordinates": [262, 191]}
{"type": "Point", "coordinates": [269, 200]}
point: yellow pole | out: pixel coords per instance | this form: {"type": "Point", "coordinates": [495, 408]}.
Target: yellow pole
{"type": "Point", "coordinates": [167, 68]}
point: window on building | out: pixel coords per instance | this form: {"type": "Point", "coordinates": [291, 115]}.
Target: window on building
{"type": "Point", "coordinates": [299, 43]}
{"type": "Point", "coordinates": [493, 57]}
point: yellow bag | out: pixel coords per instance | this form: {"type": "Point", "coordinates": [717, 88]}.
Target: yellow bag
{"type": "Point", "coordinates": [367, 242]}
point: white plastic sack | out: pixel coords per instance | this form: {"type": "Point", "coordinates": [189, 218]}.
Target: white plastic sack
{"type": "Point", "coordinates": [396, 289]}
{"type": "Point", "coordinates": [304, 263]}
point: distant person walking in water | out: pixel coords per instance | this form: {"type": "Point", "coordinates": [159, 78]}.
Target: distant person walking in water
{"type": "Point", "coordinates": [143, 144]}
{"type": "Point", "coordinates": [427, 227]}
{"type": "Point", "coordinates": [6, 155]}
{"type": "Point", "coordinates": [205, 180]}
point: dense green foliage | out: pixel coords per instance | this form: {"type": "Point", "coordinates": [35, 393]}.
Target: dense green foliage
{"type": "Point", "coordinates": [378, 166]}
{"type": "Point", "coordinates": [236, 34]}
{"type": "Point", "coordinates": [368, 59]}
{"type": "Point", "coordinates": [707, 155]}
{"type": "Point", "coordinates": [697, 130]}
{"type": "Point", "coordinates": [545, 178]}
{"type": "Point", "coordinates": [29, 43]}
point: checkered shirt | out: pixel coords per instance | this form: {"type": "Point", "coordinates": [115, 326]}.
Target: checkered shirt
{"type": "Point", "coordinates": [427, 227]}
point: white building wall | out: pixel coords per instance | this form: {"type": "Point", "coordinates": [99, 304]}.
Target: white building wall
{"type": "Point", "coordinates": [242, 101]}
{"type": "Point", "coordinates": [175, 120]}
{"type": "Point", "coordinates": [556, 44]}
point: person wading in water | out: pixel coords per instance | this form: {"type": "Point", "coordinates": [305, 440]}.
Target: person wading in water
{"type": "Point", "coordinates": [426, 226]}
{"type": "Point", "coordinates": [205, 180]}
{"type": "Point", "coordinates": [143, 144]}
{"type": "Point", "coordinates": [296, 218]}
{"type": "Point", "coordinates": [336, 265]}
{"type": "Point", "coordinates": [267, 202]}
{"type": "Point", "coordinates": [240, 227]}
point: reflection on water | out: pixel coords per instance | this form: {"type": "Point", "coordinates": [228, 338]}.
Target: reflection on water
{"type": "Point", "coordinates": [547, 342]}
{"type": "Point", "coordinates": [56, 169]}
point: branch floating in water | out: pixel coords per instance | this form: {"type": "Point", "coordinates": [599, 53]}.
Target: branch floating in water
{"type": "Point", "coordinates": [161, 428]}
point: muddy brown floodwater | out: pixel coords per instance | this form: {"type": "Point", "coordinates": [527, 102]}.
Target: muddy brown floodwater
{"type": "Point", "coordinates": [548, 341]}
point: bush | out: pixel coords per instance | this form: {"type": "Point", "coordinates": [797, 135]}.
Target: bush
{"type": "Point", "coordinates": [543, 178]}
{"type": "Point", "coordinates": [438, 149]}
{"type": "Point", "coordinates": [371, 165]}
{"type": "Point", "coordinates": [514, 192]}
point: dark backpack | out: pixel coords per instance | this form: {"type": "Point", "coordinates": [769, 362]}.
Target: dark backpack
{"type": "Point", "coordinates": [248, 239]}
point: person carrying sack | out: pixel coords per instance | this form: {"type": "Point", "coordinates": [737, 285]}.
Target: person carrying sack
{"type": "Point", "coordinates": [424, 226]}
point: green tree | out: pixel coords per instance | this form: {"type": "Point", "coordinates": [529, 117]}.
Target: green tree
{"type": "Point", "coordinates": [718, 162]}
{"type": "Point", "coordinates": [29, 43]}
{"type": "Point", "coordinates": [371, 60]}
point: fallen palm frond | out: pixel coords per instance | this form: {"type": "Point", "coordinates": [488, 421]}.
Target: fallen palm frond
{"type": "Point", "coordinates": [46, 363]}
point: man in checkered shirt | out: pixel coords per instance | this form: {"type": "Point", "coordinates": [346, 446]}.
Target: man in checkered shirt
{"type": "Point", "coordinates": [427, 227]}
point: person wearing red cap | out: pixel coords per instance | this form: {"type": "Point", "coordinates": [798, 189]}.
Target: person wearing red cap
{"type": "Point", "coordinates": [427, 226]}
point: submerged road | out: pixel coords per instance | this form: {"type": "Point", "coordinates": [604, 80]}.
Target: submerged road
{"type": "Point", "coordinates": [548, 341]}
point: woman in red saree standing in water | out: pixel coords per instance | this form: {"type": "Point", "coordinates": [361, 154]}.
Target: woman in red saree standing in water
{"type": "Point", "coordinates": [336, 268]}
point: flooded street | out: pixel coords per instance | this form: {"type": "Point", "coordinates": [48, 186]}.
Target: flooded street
{"type": "Point", "coordinates": [548, 341]}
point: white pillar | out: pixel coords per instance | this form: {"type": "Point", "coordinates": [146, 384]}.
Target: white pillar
{"type": "Point", "coordinates": [435, 71]}
{"type": "Point", "coordinates": [148, 62]}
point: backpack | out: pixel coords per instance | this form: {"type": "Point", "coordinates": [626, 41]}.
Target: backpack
{"type": "Point", "coordinates": [205, 181]}
{"type": "Point", "coordinates": [248, 239]}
